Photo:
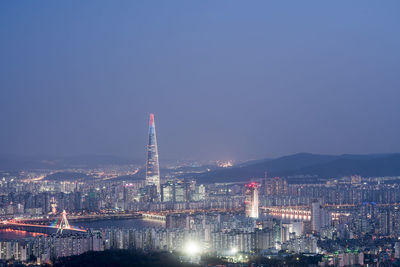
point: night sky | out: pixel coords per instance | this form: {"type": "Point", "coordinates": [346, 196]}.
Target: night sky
{"type": "Point", "coordinates": [225, 79]}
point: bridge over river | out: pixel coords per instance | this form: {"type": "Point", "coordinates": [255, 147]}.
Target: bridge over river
{"type": "Point", "coordinates": [58, 226]}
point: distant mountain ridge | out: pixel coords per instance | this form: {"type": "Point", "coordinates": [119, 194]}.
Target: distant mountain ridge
{"type": "Point", "coordinates": [312, 165]}
{"type": "Point", "coordinates": [67, 176]}
{"type": "Point", "coordinates": [14, 162]}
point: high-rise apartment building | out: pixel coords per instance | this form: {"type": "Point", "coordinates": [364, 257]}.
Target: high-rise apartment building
{"type": "Point", "coordinates": [397, 250]}
{"type": "Point", "coordinates": [320, 217]}
{"type": "Point", "coordinates": [152, 165]}
{"type": "Point", "coordinates": [167, 192]}
{"type": "Point", "coordinates": [275, 186]}
{"type": "Point", "coordinates": [315, 216]}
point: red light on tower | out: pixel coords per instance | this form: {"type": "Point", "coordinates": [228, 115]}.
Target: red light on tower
{"type": "Point", "coordinates": [252, 185]}
{"type": "Point", "coordinates": [151, 121]}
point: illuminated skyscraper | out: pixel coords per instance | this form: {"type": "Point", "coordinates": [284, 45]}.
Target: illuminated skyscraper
{"type": "Point", "coordinates": [152, 166]}
{"type": "Point", "coordinates": [251, 200]}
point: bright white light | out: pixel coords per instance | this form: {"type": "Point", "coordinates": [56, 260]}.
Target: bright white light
{"type": "Point", "coordinates": [234, 251]}
{"type": "Point", "coordinates": [192, 248]}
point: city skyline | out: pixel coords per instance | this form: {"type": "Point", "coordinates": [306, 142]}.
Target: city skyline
{"type": "Point", "coordinates": [277, 139]}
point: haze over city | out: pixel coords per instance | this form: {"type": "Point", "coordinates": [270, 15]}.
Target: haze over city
{"type": "Point", "coordinates": [199, 133]}
{"type": "Point", "coordinates": [225, 81]}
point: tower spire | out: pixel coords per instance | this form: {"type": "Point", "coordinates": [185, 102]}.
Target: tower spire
{"type": "Point", "coordinates": [152, 165]}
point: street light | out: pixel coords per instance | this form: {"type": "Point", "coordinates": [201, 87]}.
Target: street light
{"type": "Point", "coordinates": [192, 248]}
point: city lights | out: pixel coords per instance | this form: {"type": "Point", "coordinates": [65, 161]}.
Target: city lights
{"type": "Point", "coordinates": [277, 139]}
{"type": "Point", "coordinates": [233, 221]}
{"type": "Point", "coordinates": [233, 251]}
{"type": "Point", "coordinates": [192, 248]}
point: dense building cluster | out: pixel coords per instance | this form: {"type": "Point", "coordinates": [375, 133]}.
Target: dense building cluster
{"type": "Point", "coordinates": [43, 248]}
{"type": "Point", "coordinates": [337, 219]}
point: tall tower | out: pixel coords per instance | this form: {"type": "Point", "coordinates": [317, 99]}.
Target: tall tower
{"type": "Point", "coordinates": [152, 167]}
{"type": "Point", "coordinates": [251, 200]}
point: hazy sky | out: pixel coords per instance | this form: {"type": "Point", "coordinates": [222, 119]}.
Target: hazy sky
{"type": "Point", "coordinates": [225, 79]}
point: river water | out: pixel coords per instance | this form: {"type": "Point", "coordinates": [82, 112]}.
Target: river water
{"type": "Point", "coordinates": [129, 223]}
{"type": "Point", "coordinates": [7, 234]}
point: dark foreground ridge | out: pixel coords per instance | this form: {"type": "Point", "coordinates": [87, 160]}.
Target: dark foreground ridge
{"type": "Point", "coordinates": [133, 258]}
{"type": "Point", "coordinates": [121, 258]}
